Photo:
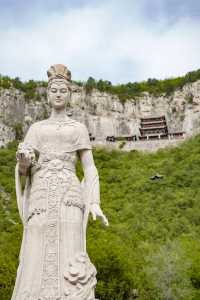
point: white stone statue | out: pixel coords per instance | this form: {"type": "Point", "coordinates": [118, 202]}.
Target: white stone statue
{"type": "Point", "coordinates": [54, 205]}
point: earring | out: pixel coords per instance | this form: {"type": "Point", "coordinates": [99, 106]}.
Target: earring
{"type": "Point", "coordinates": [49, 103]}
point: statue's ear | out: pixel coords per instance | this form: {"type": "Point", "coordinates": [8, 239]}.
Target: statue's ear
{"type": "Point", "coordinates": [49, 103]}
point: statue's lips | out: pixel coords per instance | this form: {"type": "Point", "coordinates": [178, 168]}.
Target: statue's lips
{"type": "Point", "coordinates": [59, 101]}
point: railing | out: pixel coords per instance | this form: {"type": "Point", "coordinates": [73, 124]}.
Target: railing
{"type": "Point", "coordinates": [122, 138]}
{"type": "Point", "coordinates": [135, 138]}
{"type": "Point", "coordinates": [154, 125]}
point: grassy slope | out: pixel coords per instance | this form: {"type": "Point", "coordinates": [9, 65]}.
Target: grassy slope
{"type": "Point", "coordinates": [151, 249]}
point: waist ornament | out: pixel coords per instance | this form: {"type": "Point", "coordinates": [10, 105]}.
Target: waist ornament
{"type": "Point", "coordinates": [55, 163]}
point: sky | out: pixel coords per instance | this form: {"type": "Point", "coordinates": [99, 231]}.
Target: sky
{"type": "Point", "coordinates": [117, 40]}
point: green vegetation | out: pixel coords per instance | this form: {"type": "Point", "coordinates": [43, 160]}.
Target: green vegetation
{"type": "Point", "coordinates": [189, 98]}
{"type": "Point", "coordinates": [18, 128]}
{"type": "Point", "coordinates": [151, 250]}
{"type": "Point", "coordinates": [134, 89]}
{"type": "Point", "coordinates": [29, 88]}
{"type": "Point", "coordinates": [131, 90]}
{"type": "Point", "coordinates": [122, 144]}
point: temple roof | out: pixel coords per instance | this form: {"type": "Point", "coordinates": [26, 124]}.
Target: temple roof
{"type": "Point", "coordinates": [153, 119]}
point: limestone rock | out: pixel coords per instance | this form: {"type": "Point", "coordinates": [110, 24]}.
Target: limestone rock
{"type": "Point", "coordinates": [103, 113]}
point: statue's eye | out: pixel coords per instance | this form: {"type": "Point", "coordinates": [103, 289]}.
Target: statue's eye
{"type": "Point", "coordinates": [53, 90]}
{"type": "Point", "coordinates": [63, 90]}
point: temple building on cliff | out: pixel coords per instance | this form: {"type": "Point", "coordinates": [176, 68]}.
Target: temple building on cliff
{"type": "Point", "coordinates": [153, 128]}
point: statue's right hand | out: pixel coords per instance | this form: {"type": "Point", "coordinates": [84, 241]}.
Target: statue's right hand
{"type": "Point", "coordinates": [23, 159]}
{"type": "Point", "coordinates": [25, 155]}
{"type": "Point", "coordinates": [24, 162]}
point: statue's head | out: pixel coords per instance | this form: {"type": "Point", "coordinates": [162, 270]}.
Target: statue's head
{"type": "Point", "coordinates": [58, 91]}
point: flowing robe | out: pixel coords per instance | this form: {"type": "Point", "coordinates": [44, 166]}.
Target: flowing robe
{"type": "Point", "coordinates": [53, 263]}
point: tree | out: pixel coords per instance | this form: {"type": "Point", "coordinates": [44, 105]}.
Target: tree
{"type": "Point", "coordinates": [90, 85]}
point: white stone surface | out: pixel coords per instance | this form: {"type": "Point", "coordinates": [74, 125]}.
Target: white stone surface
{"type": "Point", "coordinates": [54, 206]}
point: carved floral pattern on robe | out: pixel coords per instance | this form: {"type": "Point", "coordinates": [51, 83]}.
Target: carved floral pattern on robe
{"type": "Point", "coordinates": [53, 262]}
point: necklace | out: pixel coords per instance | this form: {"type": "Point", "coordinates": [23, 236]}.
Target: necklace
{"type": "Point", "coordinates": [59, 123]}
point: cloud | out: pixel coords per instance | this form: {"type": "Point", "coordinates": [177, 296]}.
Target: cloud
{"type": "Point", "coordinates": [106, 39]}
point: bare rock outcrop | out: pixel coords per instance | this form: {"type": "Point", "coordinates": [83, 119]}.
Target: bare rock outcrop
{"type": "Point", "coordinates": [103, 113]}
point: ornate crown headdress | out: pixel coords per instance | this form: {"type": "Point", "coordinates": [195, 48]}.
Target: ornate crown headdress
{"type": "Point", "coordinates": [59, 72]}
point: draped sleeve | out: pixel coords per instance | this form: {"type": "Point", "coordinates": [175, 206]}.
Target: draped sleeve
{"type": "Point", "coordinates": [82, 138]}
{"type": "Point", "coordinates": [30, 140]}
{"type": "Point", "coordinates": [31, 137]}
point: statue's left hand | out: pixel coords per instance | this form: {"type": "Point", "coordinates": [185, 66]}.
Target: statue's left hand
{"type": "Point", "coordinates": [96, 212]}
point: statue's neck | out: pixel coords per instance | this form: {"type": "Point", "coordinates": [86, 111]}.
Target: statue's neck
{"type": "Point", "coordinates": [58, 115]}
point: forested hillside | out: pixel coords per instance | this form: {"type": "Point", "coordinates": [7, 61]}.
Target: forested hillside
{"type": "Point", "coordinates": [153, 86]}
{"type": "Point", "coordinates": [151, 251]}
{"type": "Point", "coordinates": [123, 91]}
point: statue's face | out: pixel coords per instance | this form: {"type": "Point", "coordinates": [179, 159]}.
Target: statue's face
{"type": "Point", "coordinates": [58, 94]}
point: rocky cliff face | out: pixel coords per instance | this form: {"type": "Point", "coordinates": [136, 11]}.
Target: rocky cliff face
{"type": "Point", "coordinates": [103, 114]}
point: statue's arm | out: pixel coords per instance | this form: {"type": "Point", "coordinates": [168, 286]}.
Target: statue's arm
{"type": "Point", "coordinates": [26, 151]}
{"type": "Point", "coordinates": [92, 182]}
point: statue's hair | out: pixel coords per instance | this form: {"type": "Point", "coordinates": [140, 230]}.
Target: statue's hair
{"type": "Point", "coordinates": [54, 80]}
{"type": "Point", "coordinates": [59, 72]}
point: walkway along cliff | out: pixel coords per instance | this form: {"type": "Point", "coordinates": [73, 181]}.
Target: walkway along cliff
{"type": "Point", "coordinates": [143, 123]}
